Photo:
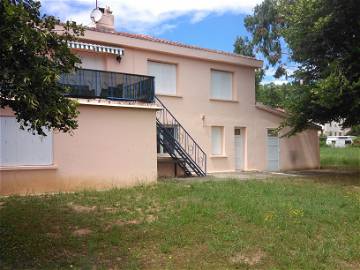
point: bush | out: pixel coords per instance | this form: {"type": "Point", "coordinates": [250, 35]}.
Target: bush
{"type": "Point", "coordinates": [322, 140]}
{"type": "Point", "coordinates": [356, 142]}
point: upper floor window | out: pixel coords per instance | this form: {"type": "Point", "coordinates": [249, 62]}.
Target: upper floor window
{"type": "Point", "coordinates": [90, 61]}
{"type": "Point", "coordinates": [165, 77]}
{"type": "Point", "coordinates": [221, 85]}
{"type": "Point", "coordinates": [19, 147]}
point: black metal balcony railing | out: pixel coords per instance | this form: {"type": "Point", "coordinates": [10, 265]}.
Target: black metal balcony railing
{"type": "Point", "coordinates": [87, 83]}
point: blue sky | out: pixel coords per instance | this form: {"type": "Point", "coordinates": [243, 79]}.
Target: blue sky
{"type": "Point", "coordinates": [214, 31]}
{"type": "Point", "coordinates": [206, 23]}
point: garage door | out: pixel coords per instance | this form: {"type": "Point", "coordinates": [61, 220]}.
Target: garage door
{"type": "Point", "coordinates": [272, 150]}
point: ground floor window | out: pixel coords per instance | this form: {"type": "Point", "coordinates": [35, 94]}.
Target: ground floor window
{"type": "Point", "coordinates": [19, 147]}
{"type": "Point", "coordinates": [172, 130]}
{"type": "Point", "coordinates": [217, 140]}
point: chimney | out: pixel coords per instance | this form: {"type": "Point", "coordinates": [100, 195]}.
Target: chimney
{"type": "Point", "coordinates": [107, 20]}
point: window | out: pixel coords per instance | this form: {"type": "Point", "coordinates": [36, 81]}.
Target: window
{"type": "Point", "coordinates": [221, 85]}
{"type": "Point", "coordinates": [217, 135]}
{"type": "Point", "coordinates": [19, 147]}
{"type": "Point", "coordinates": [172, 130]}
{"type": "Point", "coordinates": [165, 77]}
{"type": "Point", "coordinates": [90, 61]}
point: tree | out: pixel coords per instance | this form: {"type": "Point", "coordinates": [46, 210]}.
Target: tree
{"type": "Point", "coordinates": [273, 95]}
{"type": "Point", "coordinates": [33, 56]}
{"type": "Point", "coordinates": [323, 38]}
{"type": "Point", "coordinates": [244, 47]}
{"type": "Point", "coordinates": [354, 131]}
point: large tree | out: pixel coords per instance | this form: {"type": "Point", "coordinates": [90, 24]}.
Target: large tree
{"type": "Point", "coordinates": [33, 55]}
{"type": "Point", "coordinates": [245, 47]}
{"type": "Point", "coordinates": [323, 38]}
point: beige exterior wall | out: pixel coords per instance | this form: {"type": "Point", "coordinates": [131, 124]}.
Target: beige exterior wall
{"type": "Point", "coordinates": [113, 147]}
{"type": "Point", "coordinates": [116, 145]}
{"type": "Point", "coordinates": [193, 107]}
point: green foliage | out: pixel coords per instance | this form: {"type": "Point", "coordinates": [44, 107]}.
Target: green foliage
{"type": "Point", "coordinates": [323, 37]}
{"type": "Point", "coordinates": [322, 141]}
{"type": "Point", "coordinates": [356, 143]}
{"type": "Point", "coordinates": [244, 47]}
{"type": "Point", "coordinates": [354, 131]}
{"type": "Point", "coordinates": [34, 53]}
{"type": "Point", "coordinates": [273, 95]}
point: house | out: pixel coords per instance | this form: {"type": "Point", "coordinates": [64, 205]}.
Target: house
{"type": "Point", "coordinates": [151, 107]}
{"type": "Point", "coordinates": [334, 129]}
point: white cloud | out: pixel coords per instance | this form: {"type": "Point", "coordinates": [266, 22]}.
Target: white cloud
{"type": "Point", "coordinates": [146, 16]}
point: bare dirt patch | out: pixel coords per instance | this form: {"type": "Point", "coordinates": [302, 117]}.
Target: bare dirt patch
{"type": "Point", "coordinates": [151, 218]}
{"type": "Point", "coordinates": [53, 235]}
{"type": "Point", "coordinates": [250, 258]}
{"type": "Point", "coordinates": [110, 209]}
{"type": "Point", "coordinates": [82, 232]}
{"type": "Point", "coordinates": [80, 208]}
{"type": "Point", "coordinates": [120, 222]}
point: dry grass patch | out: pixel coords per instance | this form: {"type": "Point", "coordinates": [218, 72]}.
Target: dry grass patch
{"type": "Point", "coordinates": [250, 258]}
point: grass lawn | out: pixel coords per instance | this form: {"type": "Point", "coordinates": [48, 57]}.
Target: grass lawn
{"type": "Point", "coordinates": [348, 157]}
{"type": "Point", "coordinates": [295, 223]}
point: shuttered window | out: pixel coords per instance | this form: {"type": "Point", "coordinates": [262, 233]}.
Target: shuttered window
{"type": "Point", "coordinates": [165, 77]}
{"type": "Point", "coordinates": [217, 140]}
{"type": "Point", "coordinates": [19, 147]}
{"type": "Point", "coordinates": [89, 61]}
{"type": "Point", "coordinates": [221, 85]}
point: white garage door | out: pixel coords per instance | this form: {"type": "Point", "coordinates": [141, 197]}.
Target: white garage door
{"type": "Point", "coordinates": [272, 150]}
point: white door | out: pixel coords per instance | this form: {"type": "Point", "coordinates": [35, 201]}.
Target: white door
{"type": "Point", "coordinates": [239, 149]}
{"type": "Point", "coordinates": [272, 151]}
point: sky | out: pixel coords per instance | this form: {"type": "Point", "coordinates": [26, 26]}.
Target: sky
{"type": "Point", "coordinates": [213, 24]}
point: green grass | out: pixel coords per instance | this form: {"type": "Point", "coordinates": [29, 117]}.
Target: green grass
{"type": "Point", "coordinates": [295, 223]}
{"type": "Point", "coordinates": [348, 157]}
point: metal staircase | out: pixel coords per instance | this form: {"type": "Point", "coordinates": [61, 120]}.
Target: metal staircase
{"type": "Point", "coordinates": [178, 143]}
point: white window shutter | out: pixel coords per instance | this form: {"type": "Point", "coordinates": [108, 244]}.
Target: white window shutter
{"type": "Point", "coordinates": [217, 140]}
{"type": "Point", "coordinates": [92, 62]}
{"type": "Point", "coordinates": [221, 85]}
{"type": "Point", "coordinates": [19, 147]}
{"type": "Point", "coordinates": [165, 77]}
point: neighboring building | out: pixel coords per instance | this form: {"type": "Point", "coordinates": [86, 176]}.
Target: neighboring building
{"type": "Point", "coordinates": [204, 119]}
{"type": "Point", "coordinates": [334, 129]}
{"type": "Point", "coordinates": [340, 141]}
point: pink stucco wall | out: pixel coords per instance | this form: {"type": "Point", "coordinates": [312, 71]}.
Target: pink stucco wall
{"type": "Point", "coordinates": [113, 147]}
{"type": "Point", "coordinates": [116, 145]}
{"type": "Point", "coordinates": [193, 107]}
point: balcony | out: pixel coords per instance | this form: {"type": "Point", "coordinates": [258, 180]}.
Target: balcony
{"type": "Point", "coordinates": [86, 83]}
